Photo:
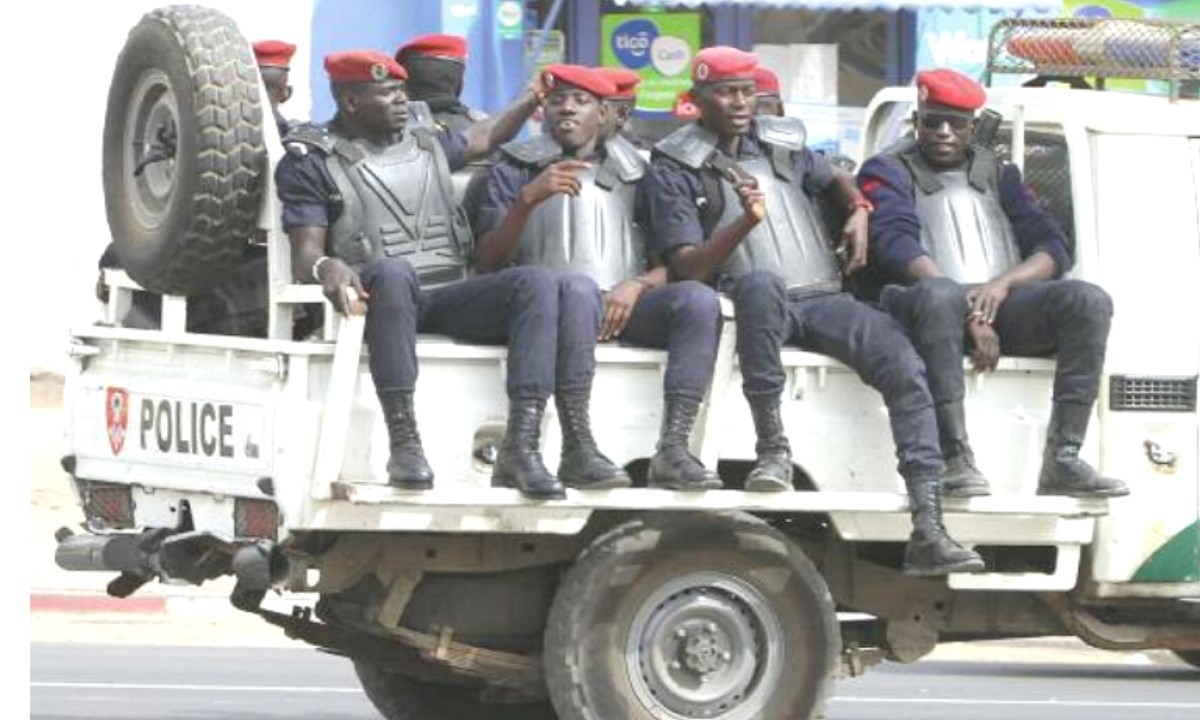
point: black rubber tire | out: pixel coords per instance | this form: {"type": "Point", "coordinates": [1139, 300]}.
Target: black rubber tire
{"type": "Point", "coordinates": [1191, 657]}
{"type": "Point", "coordinates": [182, 224]}
{"type": "Point", "coordinates": [397, 697]}
{"type": "Point", "coordinates": [595, 614]}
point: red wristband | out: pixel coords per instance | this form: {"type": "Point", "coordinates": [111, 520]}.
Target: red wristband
{"type": "Point", "coordinates": [863, 203]}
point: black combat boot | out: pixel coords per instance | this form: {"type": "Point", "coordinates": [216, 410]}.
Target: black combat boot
{"type": "Point", "coordinates": [407, 467]}
{"type": "Point", "coordinates": [930, 550]}
{"type": "Point", "coordinates": [583, 466]}
{"type": "Point", "coordinates": [961, 478]}
{"type": "Point", "coordinates": [519, 464]}
{"type": "Point", "coordinates": [1063, 473]}
{"type": "Point", "coordinates": [773, 470]}
{"type": "Point", "coordinates": [673, 467]}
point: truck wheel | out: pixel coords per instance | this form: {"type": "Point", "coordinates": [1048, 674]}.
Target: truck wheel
{"type": "Point", "coordinates": [1191, 657]}
{"type": "Point", "coordinates": [685, 615]}
{"type": "Point", "coordinates": [397, 697]}
{"type": "Point", "coordinates": [184, 156]}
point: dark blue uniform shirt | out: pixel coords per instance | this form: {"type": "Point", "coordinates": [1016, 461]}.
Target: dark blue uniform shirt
{"type": "Point", "coordinates": [895, 229]}
{"type": "Point", "coordinates": [671, 196]}
{"type": "Point", "coordinates": [309, 195]}
{"type": "Point", "coordinates": [504, 182]}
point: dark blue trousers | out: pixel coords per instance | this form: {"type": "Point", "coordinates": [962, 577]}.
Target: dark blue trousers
{"type": "Point", "coordinates": [1067, 318]}
{"type": "Point", "coordinates": [548, 320]}
{"type": "Point", "coordinates": [865, 339]}
{"type": "Point", "coordinates": [684, 318]}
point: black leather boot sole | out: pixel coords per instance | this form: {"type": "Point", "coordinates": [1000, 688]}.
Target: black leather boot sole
{"type": "Point", "coordinates": [616, 482]}
{"type": "Point", "coordinates": [971, 565]}
{"type": "Point", "coordinates": [533, 493]}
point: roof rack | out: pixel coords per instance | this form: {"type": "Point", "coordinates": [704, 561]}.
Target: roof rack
{"type": "Point", "coordinates": [1073, 49]}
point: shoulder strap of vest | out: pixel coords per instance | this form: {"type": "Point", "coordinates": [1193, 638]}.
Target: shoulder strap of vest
{"type": "Point", "coordinates": [788, 132]}
{"type": "Point", "coordinates": [690, 145]}
{"type": "Point", "coordinates": [923, 176]}
{"type": "Point", "coordinates": [984, 170]}
{"type": "Point", "coordinates": [782, 136]}
{"type": "Point", "coordinates": [306, 136]}
{"type": "Point", "coordinates": [628, 163]}
{"type": "Point", "coordinates": [537, 151]}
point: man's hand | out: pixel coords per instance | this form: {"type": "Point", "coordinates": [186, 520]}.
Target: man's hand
{"type": "Point", "coordinates": [557, 178]}
{"type": "Point", "coordinates": [342, 287]}
{"type": "Point", "coordinates": [101, 288]}
{"type": "Point", "coordinates": [853, 246]}
{"type": "Point", "coordinates": [618, 306]}
{"type": "Point", "coordinates": [754, 203]}
{"type": "Point", "coordinates": [987, 345]}
{"type": "Point", "coordinates": [986, 299]}
{"type": "Point", "coordinates": [537, 86]}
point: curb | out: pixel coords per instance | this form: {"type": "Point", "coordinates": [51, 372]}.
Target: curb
{"type": "Point", "coordinates": [94, 603]}
{"type": "Point", "coordinates": [193, 604]}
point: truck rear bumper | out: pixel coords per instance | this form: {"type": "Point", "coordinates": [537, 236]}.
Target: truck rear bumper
{"type": "Point", "coordinates": [168, 554]}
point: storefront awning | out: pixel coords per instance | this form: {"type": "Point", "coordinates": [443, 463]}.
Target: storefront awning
{"type": "Point", "coordinates": [1043, 5]}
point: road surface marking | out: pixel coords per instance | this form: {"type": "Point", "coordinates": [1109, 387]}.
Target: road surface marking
{"type": "Point", "coordinates": [217, 688]}
{"type": "Point", "coordinates": [356, 690]}
{"type": "Point", "coordinates": [1062, 703]}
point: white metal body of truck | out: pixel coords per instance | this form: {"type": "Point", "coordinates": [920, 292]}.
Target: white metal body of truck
{"type": "Point", "coordinates": [198, 455]}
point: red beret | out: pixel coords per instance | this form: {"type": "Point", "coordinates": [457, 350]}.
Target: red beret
{"type": "Point", "coordinates": [363, 66]}
{"type": "Point", "coordinates": [625, 80]}
{"type": "Point", "coordinates": [723, 63]}
{"type": "Point", "coordinates": [274, 53]}
{"type": "Point", "coordinates": [950, 89]}
{"type": "Point", "coordinates": [766, 82]}
{"type": "Point", "coordinates": [584, 78]}
{"type": "Point", "coordinates": [437, 44]}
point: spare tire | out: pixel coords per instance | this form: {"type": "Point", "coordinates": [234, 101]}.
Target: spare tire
{"type": "Point", "coordinates": [184, 156]}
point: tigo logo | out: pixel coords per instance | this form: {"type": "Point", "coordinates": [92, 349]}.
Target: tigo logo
{"type": "Point", "coordinates": [631, 42]}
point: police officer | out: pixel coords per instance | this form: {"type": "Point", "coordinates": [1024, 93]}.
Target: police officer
{"type": "Point", "coordinates": [767, 97]}
{"type": "Point", "coordinates": [622, 105]}
{"type": "Point", "coordinates": [436, 65]}
{"type": "Point", "coordinates": [375, 195]}
{"type": "Point", "coordinates": [705, 200]}
{"type": "Point", "coordinates": [274, 58]}
{"type": "Point", "coordinates": [565, 200]}
{"type": "Point", "coordinates": [964, 253]}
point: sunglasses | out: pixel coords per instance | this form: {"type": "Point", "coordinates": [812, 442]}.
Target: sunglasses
{"type": "Point", "coordinates": [933, 121]}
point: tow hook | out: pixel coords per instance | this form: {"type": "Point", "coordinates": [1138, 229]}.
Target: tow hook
{"type": "Point", "coordinates": [1158, 455]}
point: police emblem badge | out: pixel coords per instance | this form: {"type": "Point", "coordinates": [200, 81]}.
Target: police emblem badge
{"type": "Point", "coordinates": [116, 416]}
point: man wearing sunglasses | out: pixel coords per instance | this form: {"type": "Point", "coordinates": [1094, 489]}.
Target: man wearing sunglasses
{"type": "Point", "coordinates": [731, 200]}
{"type": "Point", "coordinates": [962, 256]}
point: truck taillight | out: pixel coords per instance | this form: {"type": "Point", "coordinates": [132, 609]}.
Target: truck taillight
{"type": "Point", "coordinates": [108, 505]}
{"type": "Point", "coordinates": [255, 518]}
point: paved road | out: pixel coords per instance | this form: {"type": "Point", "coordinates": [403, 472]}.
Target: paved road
{"type": "Point", "coordinates": [109, 682]}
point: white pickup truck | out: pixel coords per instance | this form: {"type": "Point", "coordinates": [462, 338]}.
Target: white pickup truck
{"type": "Point", "coordinates": [200, 455]}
